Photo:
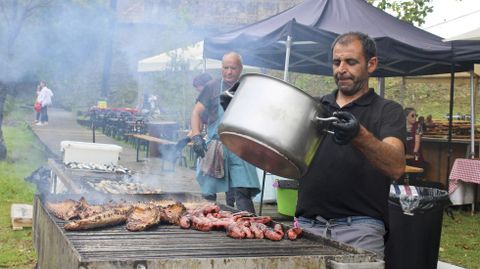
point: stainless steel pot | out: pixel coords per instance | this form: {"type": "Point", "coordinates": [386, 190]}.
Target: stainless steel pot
{"type": "Point", "coordinates": [272, 125]}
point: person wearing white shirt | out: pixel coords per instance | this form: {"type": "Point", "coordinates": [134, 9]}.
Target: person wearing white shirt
{"type": "Point", "coordinates": [45, 99]}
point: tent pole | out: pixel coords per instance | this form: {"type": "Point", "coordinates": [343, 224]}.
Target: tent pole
{"type": "Point", "coordinates": [472, 116]}
{"type": "Point", "coordinates": [381, 86]}
{"type": "Point", "coordinates": [288, 46]}
{"type": "Point", "coordinates": [450, 117]}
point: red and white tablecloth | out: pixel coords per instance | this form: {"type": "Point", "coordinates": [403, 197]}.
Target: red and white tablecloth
{"type": "Point", "coordinates": [466, 170]}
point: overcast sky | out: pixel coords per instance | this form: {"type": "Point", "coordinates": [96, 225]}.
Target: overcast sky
{"type": "Point", "coordinates": [453, 17]}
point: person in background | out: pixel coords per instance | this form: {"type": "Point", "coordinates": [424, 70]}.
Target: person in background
{"type": "Point", "coordinates": [429, 124]}
{"type": "Point", "coordinates": [414, 138]}
{"type": "Point", "coordinates": [421, 122]}
{"type": "Point", "coordinates": [237, 174]}
{"type": "Point", "coordinates": [45, 99]}
{"type": "Point", "coordinates": [37, 106]}
{"type": "Point", "coordinates": [344, 194]}
{"type": "Point", "coordinates": [199, 83]}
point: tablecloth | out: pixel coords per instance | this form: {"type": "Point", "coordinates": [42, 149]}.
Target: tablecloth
{"type": "Point", "coordinates": [466, 170]}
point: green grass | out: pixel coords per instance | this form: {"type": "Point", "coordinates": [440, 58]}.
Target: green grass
{"type": "Point", "coordinates": [25, 154]}
{"type": "Point", "coordinates": [460, 242]}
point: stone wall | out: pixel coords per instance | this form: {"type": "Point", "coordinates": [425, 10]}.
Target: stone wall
{"type": "Point", "coordinates": [206, 13]}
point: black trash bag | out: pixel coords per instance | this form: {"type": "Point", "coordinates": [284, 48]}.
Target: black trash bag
{"type": "Point", "coordinates": [427, 199]}
{"type": "Point", "coordinates": [415, 225]}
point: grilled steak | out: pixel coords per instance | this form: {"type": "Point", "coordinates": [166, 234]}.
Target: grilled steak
{"type": "Point", "coordinates": [110, 217]}
{"type": "Point", "coordinates": [174, 212]}
{"type": "Point", "coordinates": [144, 216]}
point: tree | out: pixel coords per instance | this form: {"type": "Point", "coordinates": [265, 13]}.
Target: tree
{"type": "Point", "coordinates": [13, 16]}
{"type": "Point", "coordinates": [412, 11]}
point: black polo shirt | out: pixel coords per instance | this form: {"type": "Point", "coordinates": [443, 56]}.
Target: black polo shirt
{"type": "Point", "coordinates": [341, 181]}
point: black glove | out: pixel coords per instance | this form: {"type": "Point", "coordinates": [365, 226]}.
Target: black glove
{"type": "Point", "coordinates": [346, 129]}
{"type": "Point", "coordinates": [199, 145]}
{"type": "Point", "coordinates": [182, 143]}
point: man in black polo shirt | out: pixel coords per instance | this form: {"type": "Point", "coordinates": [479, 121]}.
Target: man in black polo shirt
{"type": "Point", "coordinates": [344, 195]}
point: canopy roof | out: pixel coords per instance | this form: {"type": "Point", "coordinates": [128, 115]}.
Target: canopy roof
{"type": "Point", "coordinates": [403, 49]}
{"type": "Point", "coordinates": [470, 35]}
{"type": "Point", "coordinates": [188, 58]}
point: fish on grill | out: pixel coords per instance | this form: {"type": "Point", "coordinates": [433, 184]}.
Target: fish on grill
{"type": "Point", "coordinates": [121, 187]}
{"type": "Point", "coordinates": [110, 217]}
{"type": "Point", "coordinates": [144, 216]}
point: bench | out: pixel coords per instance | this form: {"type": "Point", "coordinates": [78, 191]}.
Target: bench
{"type": "Point", "coordinates": [158, 141]}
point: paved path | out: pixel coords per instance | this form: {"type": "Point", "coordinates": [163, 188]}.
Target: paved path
{"type": "Point", "coordinates": [63, 127]}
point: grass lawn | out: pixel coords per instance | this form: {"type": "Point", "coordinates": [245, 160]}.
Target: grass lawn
{"type": "Point", "coordinates": [25, 154]}
{"type": "Point", "coordinates": [460, 242]}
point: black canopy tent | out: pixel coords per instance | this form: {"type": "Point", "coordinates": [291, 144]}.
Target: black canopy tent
{"type": "Point", "coordinates": [403, 49]}
{"type": "Point", "coordinates": [267, 47]}
{"type": "Point", "coordinates": [298, 39]}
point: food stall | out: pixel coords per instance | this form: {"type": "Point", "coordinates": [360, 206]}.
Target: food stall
{"type": "Point", "coordinates": [435, 148]}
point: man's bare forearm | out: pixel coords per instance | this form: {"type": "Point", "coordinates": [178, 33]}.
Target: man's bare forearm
{"type": "Point", "coordinates": [388, 155]}
{"type": "Point", "coordinates": [196, 119]}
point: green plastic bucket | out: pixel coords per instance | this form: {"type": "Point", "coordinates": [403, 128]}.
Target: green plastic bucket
{"type": "Point", "coordinates": [287, 194]}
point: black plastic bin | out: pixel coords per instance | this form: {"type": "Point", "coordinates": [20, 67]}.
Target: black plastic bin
{"type": "Point", "coordinates": [415, 226]}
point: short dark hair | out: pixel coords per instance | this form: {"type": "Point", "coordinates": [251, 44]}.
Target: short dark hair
{"type": "Point", "coordinates": [201, 80]}
{"type": "Point", "coordinates": [368, 44]}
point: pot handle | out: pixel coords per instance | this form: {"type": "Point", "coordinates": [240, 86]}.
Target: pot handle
{"type": "Point", "coordinates": [328, 119]}
{"type": "Point", "coordinates": [226, 96]}
{"type": "Point", "coordinates": [231, 92]}
{"type": "Point", "coordinates": [320, 120]}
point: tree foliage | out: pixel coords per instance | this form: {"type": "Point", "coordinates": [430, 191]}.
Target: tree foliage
{"type": "Point", "coordinates": [412, 11]}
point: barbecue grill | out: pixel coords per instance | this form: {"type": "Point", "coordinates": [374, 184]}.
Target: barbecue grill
{"type": "Point", "coordinates": [169, 246]}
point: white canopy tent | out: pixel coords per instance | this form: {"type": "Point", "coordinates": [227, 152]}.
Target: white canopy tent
{"type": "Point", "coordinates": [189, 58]}
{"type": "Point", "coordinates": [470, 35]}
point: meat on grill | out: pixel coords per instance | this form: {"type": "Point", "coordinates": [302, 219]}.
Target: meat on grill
{"type": "Point", "coordinates": [275, 234]}
{"type": "Point", "coordinates": [144, 216]}
{"type": "Point", "coordinates": [108, 218]}
{"type": "Point", "coordinates": [65, 210]}
{"type": "Point", "coordinates": [174, 212]}
{"type": "Point", "coordinates": [294, 233]}
{"type": "Point", "coordinates": [70, 209]}
{"type": "Point", "coordinates": [258, 229]}
{"type": "Point", "coordinates": [141, 216]}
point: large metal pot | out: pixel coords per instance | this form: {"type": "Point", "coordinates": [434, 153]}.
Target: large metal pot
{"type": "Point", "coordinates": [272, 125]}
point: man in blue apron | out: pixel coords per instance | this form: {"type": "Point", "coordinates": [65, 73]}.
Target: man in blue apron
{"type": "Point", "coordinates": [219, 169]}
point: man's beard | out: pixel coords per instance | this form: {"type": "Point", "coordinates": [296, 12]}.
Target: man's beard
{"type": "Point", "coordinates": [357, 85]}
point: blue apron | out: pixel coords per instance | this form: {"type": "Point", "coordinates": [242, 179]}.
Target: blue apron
{"type": "Point", "coordinates": [238, 173]}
